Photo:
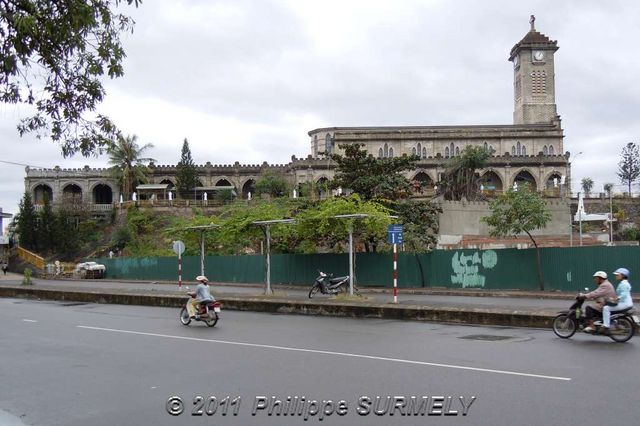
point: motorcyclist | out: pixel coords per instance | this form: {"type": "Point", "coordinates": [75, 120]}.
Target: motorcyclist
{"type": "Point", "coordinates": [202, 294]}
{"type": "Point", "coordinates": [622, 299]}
{"type": "Point", "coordinates": [604, 291]}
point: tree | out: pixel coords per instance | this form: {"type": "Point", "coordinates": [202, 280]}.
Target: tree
{"type": "Point", "coordinates": [129, 165]}
{"type": "Point", "coordinates": [460, 178]}
{"type": "Point", "coordinates": [46, 229]}
{"type": "Point", "coordinates": [421, 225]}
{"type": "Point", "coordinates": [372, 177]}
{"type": "Point", "coordinates": [27, 223]}
{"type": "Point", "coordinates": [273, 184]}
{"type": "Point", "coordinates": [518, 212]}
{"type": "Point", "coordinates": [186, 173]}
{"type": "Point", "coordinates": [587, 186]}
{"type": "Point", "coordinates": [53, 56]}
{"type": "Point", "coordinates": [629, 165]}
{"type": "Point", "coordinates": [608, 187]}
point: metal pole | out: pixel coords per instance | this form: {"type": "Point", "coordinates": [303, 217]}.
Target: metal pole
{"type": "Point", "coordinates": [580, 219]}
{"type": "Point", "coordinates": [268, 283]}
{"type": "Point", "coordinates": [350, 258]}
{"type": "Point", "coordinates": [395, 273]}
{"type": "Point", "coordinates": [202, 253]}
{"type": "Point", "coordinates": [610, 218]}
{"type": "Point", "coordinates": [179, 270]}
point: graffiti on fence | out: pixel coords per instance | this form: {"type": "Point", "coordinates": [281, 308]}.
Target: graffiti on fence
{"type": "Point", "coordinates": [467, 268]}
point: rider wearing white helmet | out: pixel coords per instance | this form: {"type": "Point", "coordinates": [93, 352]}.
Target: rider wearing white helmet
{"type": "Point", "coordinates": [202, 294]}
{"type": "Point", "coordinates": [623, 298]}
{"type": "Point", "coordinates": [604, 291]}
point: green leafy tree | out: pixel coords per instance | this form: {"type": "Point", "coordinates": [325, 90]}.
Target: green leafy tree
{"type": "Point", "coordinates": [272, 184]}
{"type": "Point", "coordinates": [629, 165]}
{"type": "Point", "coordinates": [518, 212]}
{"type": "Point", "coordinates": [421, 224]}
{"type": "Point", "coordinates": [587, 186]}
{"type": "Point", "coordinates": [608, 188]}
{"type": "Point", "coordinates": [53, 55]}
{"type": "Point", "coordinates": [27, 223]}
{"type": "Point", "coordinates": [65, 230]}
{"type": "Point", "coordinates": [186, 173]}
{"type": "Point", "coordinates": [461, 178]}
{"type": "Point", "coordinates": [372, 177]}
{"type": "Point", "coordinates": [46, 227]}
{"type": "Point", "coordinates": [129, 166]}
{"type": "Point", "coordinates": [318, 226]}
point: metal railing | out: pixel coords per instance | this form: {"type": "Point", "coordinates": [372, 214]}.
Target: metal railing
{"type": "Point", "coordinates": [30, 257]}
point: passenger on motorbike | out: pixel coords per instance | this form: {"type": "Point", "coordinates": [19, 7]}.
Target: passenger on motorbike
{"type": "Point", "coordinates": [623, 298]}
{"type": "Point", "coordinates": [202, 294]}
{"type": "Point", "coordinates": [604, 291]}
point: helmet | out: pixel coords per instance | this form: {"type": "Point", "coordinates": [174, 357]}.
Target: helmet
{"type": "Point", "coordinates": [601, 274]}
{"type": "Point", "coordinates": [622, 271]}
{"type": "Point", "coordinates": [202, 278]}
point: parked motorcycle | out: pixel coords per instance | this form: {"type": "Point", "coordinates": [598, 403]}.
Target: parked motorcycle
{"type": "Point", "coordinates": [208, 312]}
{"type": "Point", "coordinates": [623, 323]}
{"type": "Point", "coordinates": [326, 284]}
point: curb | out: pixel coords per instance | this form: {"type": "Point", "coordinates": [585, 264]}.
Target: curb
{"type": "Point", "coordinates": [475, 316]}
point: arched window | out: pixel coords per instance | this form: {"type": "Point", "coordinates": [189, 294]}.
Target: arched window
{"type": "Point", "coordinates": [486, 147]}
{"type": "Point", "coordinates": [424, 152]}
{"type": "Point", "coordinates": [451, 151]}
{"type": "Point", "coordinates": [513, 150]}
{"type": "Point", "coordinates": [390, 152]}
{"type": "Point", "coordinates": [446, 152]}
{"type": "Point", "coordinates": [457, 151]}
{"type": "Point", "coordinates": [386, 150]}
{"type": "Point", "coordinates": [419, 149]}
{"type": "Point", "coordinates": [545, 150]}
{"type": "Point", "coordinates": [380, 153]}
{"type": "Point", "coordinates": [328, 144]}
{"type": "Point", "coordinates": [413, 151]}
{"type": "Point", "coordinates": [518, 149]}
{"type": "Point", "coordinates": [551, 150]}
{"type": "Point", "coordinates": [524, 150]}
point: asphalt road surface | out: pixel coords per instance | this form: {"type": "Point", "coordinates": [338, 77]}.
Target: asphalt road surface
{"type": "Point", "coordinates": [89, 364]}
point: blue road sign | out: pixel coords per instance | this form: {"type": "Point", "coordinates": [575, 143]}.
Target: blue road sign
{"type": "Point", "coordinates": [394, 234]}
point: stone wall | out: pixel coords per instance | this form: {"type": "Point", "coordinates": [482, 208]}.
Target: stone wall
{"type": "Point", "coordinates": [463, 218]}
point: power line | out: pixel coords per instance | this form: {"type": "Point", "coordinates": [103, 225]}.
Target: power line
{"type": "Point", "coordinates": [20, 164]}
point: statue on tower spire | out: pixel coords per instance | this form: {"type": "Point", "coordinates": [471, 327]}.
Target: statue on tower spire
{"type": "Point", "coordinates": [532, 21]}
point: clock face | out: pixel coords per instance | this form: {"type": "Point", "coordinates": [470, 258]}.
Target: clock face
{"type": "Point", "coordinates": [538, 55]}
{"type": "Point", "coordinates": [516, 61]}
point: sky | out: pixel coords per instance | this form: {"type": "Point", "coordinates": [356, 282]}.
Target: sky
{"type": "Point", "coordinates": [245, 80]}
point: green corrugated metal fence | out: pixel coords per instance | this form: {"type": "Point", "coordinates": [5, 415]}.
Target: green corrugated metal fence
{"type": "Point", "coordinates": [567, 269]}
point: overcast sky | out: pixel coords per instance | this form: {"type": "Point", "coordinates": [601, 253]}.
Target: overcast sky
{"type": "Point", "coordinates": [245, 80]}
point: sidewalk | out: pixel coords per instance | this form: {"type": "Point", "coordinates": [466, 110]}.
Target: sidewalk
{"type": "Point", "coordinates": [508, 308]}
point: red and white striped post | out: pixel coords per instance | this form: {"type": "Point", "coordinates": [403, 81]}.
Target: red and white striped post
{"type": "Point", "coordinates": [179, 271]}
{"type": "Point", "coordinates": [395, 273]}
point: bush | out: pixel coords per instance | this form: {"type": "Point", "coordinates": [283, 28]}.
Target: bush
{"type": "Point", "coordinates": [630, 234]}
{"type": "Point", "coordinates": [27, 276]}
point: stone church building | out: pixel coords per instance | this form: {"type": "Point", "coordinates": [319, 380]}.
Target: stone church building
{"type": "Point", "coordinates": [529, 150]}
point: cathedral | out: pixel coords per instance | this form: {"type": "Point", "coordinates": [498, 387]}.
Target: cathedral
{"type": "Point", "coordinates": [528, 151]}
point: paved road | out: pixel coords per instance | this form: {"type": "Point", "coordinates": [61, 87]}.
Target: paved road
{"type": "Point", "coordinates": [301, 294]}
{"type": "Point", "coordinates": [88, 364]}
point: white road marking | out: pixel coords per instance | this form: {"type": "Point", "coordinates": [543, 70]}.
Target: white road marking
{"type": "Point", "coordinates": [317, 351]}
{"type": "Point", "coordinates": [28, 320]}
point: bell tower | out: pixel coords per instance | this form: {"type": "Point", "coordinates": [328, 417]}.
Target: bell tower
{"type": "Point", "coordinates": [534, 91]}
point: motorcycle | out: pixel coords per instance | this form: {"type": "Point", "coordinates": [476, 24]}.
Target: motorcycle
{"type": "Point", "coordinates": [623, 323]}
{"type": "Point", "coordinates": [326, 284]}
{"type": "Point", "coordinates": [208, 312]}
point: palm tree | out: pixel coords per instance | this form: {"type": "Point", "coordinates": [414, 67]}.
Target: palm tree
{"type": "Point", "coordinates": [587, 185]}
{"type": "Point", "coordinates": [608, 187]}
{"type": "Point", "coordinates": [128, 164]}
